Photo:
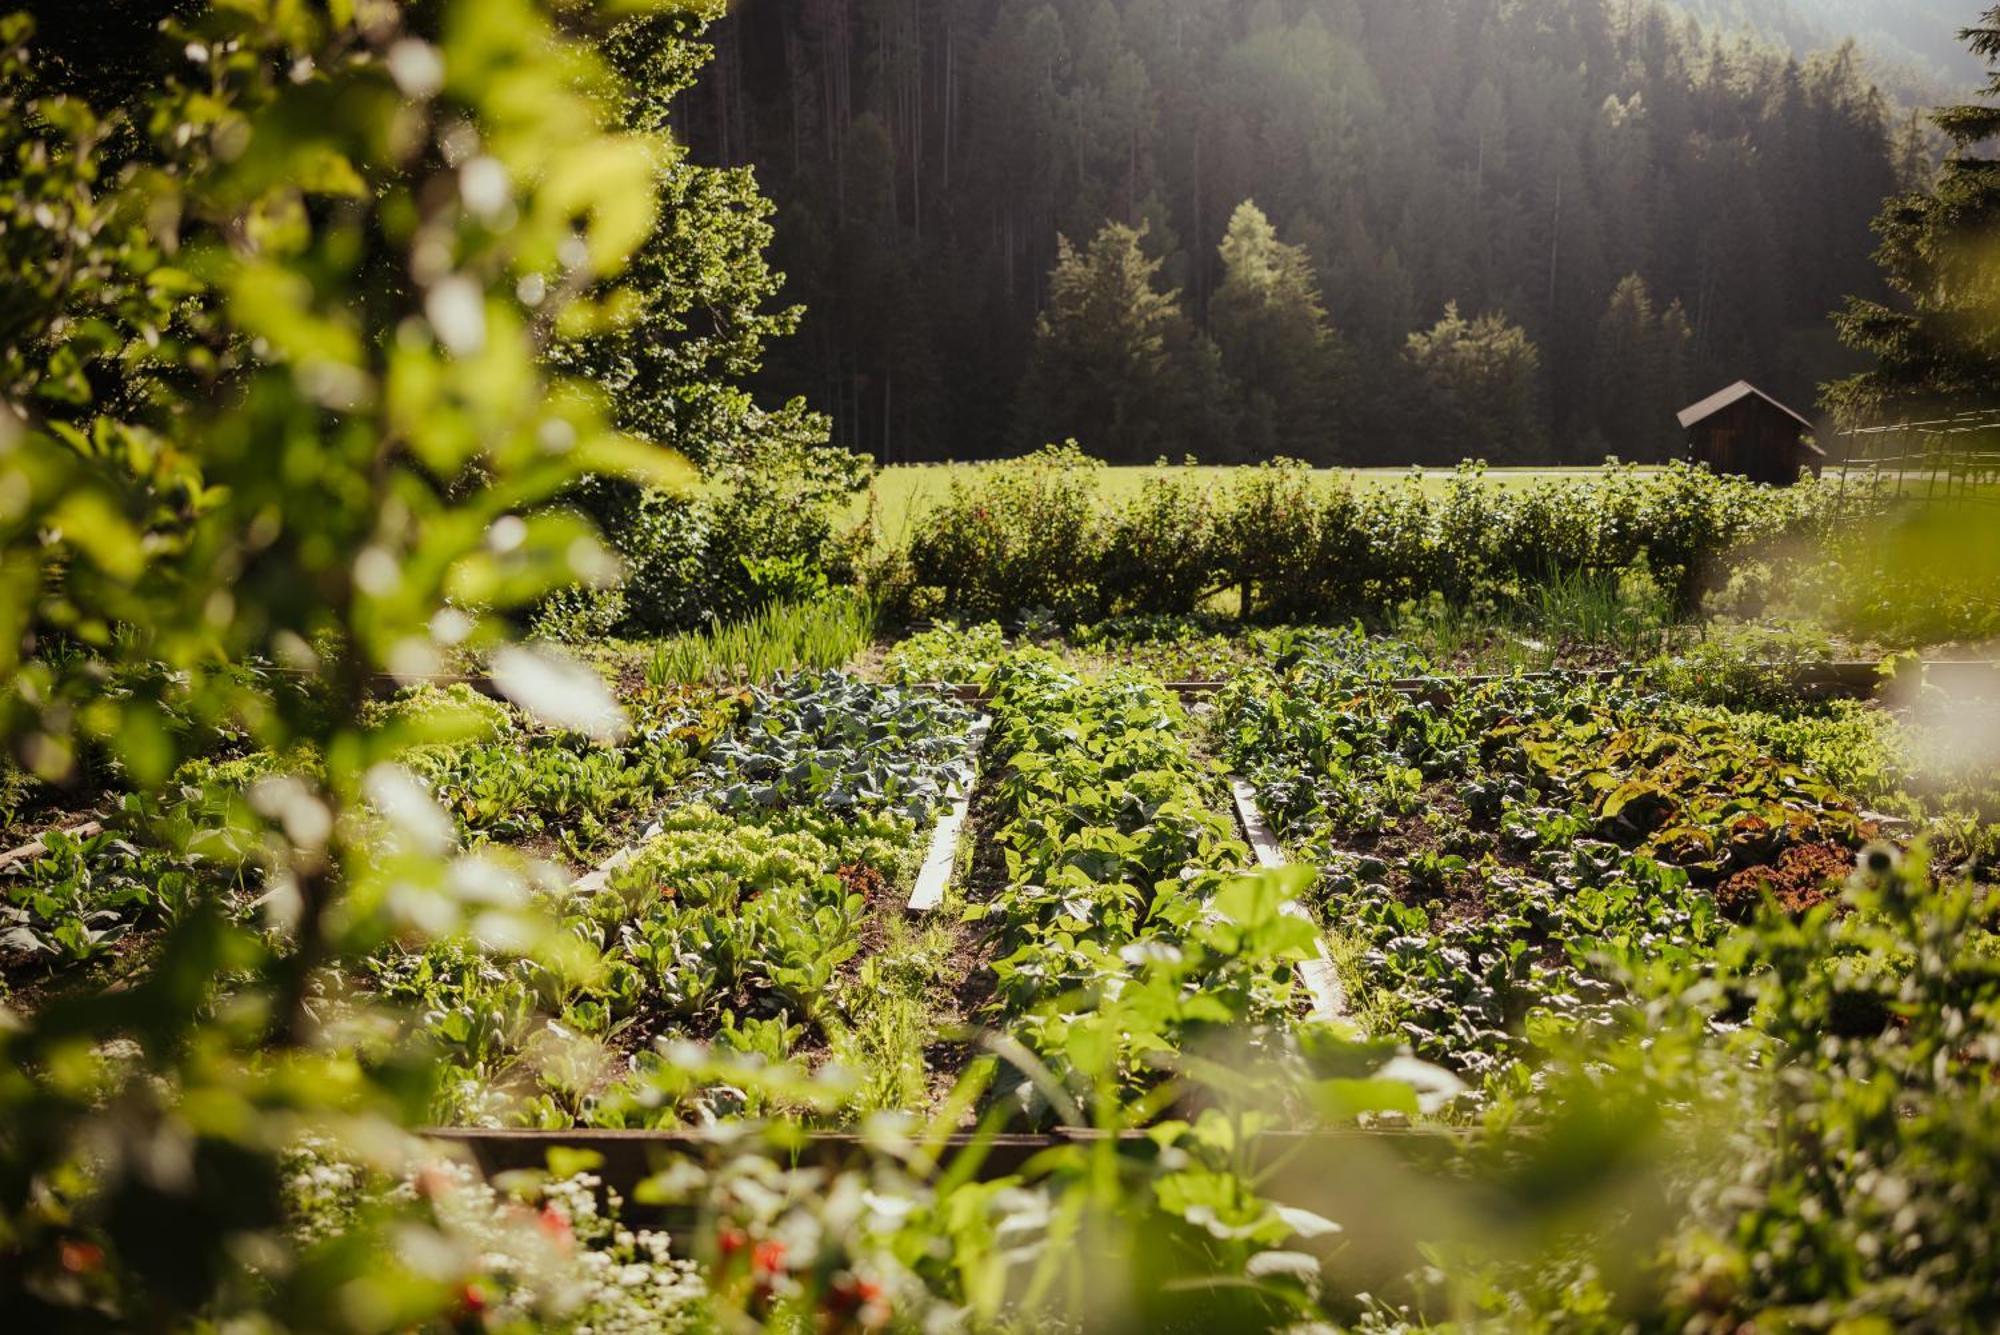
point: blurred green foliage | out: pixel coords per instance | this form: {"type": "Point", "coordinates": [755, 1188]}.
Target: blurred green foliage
{"type": "Point", "coordinates": [277, 399]}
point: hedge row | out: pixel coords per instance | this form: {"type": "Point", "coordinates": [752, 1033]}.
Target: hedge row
{"type": "Point", "coordinates": [1034, 536]}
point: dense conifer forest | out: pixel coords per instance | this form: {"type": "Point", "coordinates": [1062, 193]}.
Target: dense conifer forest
{"type": "Point", "coordinates": [1912, 43]}
{"type": "Point", "coordinates": [1488, 219]}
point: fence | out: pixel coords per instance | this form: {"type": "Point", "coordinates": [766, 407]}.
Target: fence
{"type": "Point", "coordinates": [1948, 458]}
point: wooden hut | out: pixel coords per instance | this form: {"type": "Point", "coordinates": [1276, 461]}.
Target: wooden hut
{"type": "Point", "coordinates": [1744, 430]}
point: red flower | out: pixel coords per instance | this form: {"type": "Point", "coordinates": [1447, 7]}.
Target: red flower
{"type": "Point", "coordinates": [555, 1226]}
{"type": "Point", "coordinates": [79, 1257]}
{"type": "Point", "coordinates": [471, 1298]}
{"type": "Point", "coordinates": [769, 1257]}
{"type": "Point", "coordinates": [731, 1241]}
{"type": "Point", "coordinates": [851, 1298]}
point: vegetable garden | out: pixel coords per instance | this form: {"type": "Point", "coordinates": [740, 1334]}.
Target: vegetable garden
{"type": "Point", "coordinates": [704, 931]}
{"type": "Point", "coordinates": [484, 852]}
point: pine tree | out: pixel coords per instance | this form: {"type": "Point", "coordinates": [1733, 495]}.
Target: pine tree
{"type": "Point", "coordinates": [1278, 347]}
{"type": "Point", "coordinates": [1938, 349]}
{"type": "Point", "coordinates": [1117, 364]}
{"type": "Point", "coordinates": [1483, 379]}
{"type": "Point", "coordinates": [1638, 376]}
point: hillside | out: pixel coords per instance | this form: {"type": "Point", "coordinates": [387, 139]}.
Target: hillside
{"type": "Point", "coordinates": [1911, 43]}
{"type": "Point", "coordinates": [1518, 160]}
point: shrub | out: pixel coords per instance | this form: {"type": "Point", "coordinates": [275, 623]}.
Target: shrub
{"type": "Point", "coordinates": [1026, 537]}
{"type": "Point", "coordinates": [1267, 536]}
{"type": "Point", "coordinates": [760, 529]}
{"type": "Point", "coordinates": [1031, 536]}
{"type": "Point", "coordinates": [1159, 555]}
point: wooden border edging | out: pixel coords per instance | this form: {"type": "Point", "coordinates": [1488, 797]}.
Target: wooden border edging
{"type": "Point", "coordinates": [942, 859]}
{"type": "Point", "coordinates": [630, 1157]}
{"type": "Point", "coordinates": [1322, 983]}
{"type": "Point", "coordinates": [1859, 680]}
{"type": "Point", "coordinates": [35, 847]}
{"type": "Point", "coordinates": [595, 880]}
{"type": "Point", "coordinates": [1843, 677]}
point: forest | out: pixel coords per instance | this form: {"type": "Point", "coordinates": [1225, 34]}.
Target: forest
{"type": "Point", "coordinates": [1912, 44]}
{"type": "Point", "coordinates": [1469, 226]}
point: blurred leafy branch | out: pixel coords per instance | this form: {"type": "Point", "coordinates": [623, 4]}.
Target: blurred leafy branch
{"type": "Point", "coordinates": [278, 405]}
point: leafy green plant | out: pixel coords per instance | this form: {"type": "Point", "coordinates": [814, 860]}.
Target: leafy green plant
{"type": "Point", "coordinates": [1498, 851]}
{"type": "Point", "coordinates": [840, 742]}
{"type": "Point", "coordinates": [76, 899]}
{"type": "Point", "coordinates": [946, 654]}
{"type": "Point", "coordinates": [273, 360]}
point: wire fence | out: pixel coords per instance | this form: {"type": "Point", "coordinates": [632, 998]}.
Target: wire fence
{"type": "Point", "coordinates": [1945, 459]}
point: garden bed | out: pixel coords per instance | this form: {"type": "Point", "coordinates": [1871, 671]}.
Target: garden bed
{"type": "Point", "coordinates": [1501, 852]}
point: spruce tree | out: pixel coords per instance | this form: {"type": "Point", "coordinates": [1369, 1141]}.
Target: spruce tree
{"type": "Point", "coordinates": [1938, 348]}
{"type": "Point", "coordinates": [1483, 382]}
{"type": "Point", "coordinates": [1117, 364]}
{"type": "Point", "coordinates": [1639, 373]}
{"type": "Point", "coordinates": [1278, 347]}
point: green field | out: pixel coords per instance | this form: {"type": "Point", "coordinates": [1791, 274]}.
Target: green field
{"type": "Point", "coordinates": [902, 493]}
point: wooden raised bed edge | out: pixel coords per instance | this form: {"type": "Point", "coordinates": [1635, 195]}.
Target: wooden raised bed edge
{"type": "Point", "coordinates": [630, 1157]}
{"type": "Point", "coordinates": [934, 878]}
{"type": "Point", "coordinates": [1322, 983]}
{"type": "Point", "coordinates": [1854, 679]}
{"type": "Point", "coordinates": [1859, 679]}
{"type": "Point", "coordinates": [34, 848]}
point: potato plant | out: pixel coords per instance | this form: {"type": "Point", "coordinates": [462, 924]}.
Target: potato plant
{"type": "Point", "coordinates": [1124, 934]}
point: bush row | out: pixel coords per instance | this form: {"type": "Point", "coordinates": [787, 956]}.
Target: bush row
{"type": "Point", "coordinates": [1034, 536]}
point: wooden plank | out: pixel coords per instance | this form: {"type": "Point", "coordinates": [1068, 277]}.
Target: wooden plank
{"type": "Point", "coordinates": [592, 882]}
{"type": "Point", "coordinates": [1263, 844]}
{"type": "Point", "coordinates": [1322, 981]}
{"type": "Point", "coordinates": [630, 1157]}
{"type": "Point", "coordinates": [34, 848]}
{"type": "Point", "coordinates": [1856, 679]}
{"type": "Point", "coordinates": [942, 859]}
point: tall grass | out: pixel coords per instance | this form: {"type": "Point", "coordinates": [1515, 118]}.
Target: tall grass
{"type": "Point", "coordinates": [1547, 620]}
{"type": "Point", "coordinates": [823, 632]}
{"type": "Point", "coordinates": [1627, 612]}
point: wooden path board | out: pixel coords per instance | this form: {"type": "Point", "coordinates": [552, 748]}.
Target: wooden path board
{"type": "Point", "coordinates": [1321, 980]}
{"type": "Point", "coordinates": [630, 1157]}
{"type": "Point", "coordinates": [1841, 680]}
{"type": "Point", "coordinates": [942, 859]}
{"type": "Point", "coordinates": [35, 847]}
{"type": "Point", "coordinates": [594, 881]}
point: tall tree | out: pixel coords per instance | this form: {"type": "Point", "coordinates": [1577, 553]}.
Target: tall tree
{"type": "Point", "coordinates": [700, 294]}
{"type": "Point", "coordinates": [1639, 376]}
{"type": "Point", "coordinates": [1117, 364]}
{"type": "Point", "coordinates": [1483, 388]}
{"type": "Point", "coordinates": [1938, 346]}
{"type": "Point", "coordinates": [1278, 347]}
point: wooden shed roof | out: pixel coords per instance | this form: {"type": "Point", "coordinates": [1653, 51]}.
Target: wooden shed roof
{"type": "Point", "coordinates": [1737, 392]}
